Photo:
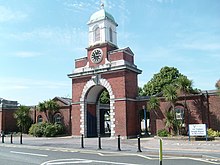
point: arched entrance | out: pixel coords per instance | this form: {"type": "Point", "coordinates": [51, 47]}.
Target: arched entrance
{"type": "Point", "coordinates": [97, 118]}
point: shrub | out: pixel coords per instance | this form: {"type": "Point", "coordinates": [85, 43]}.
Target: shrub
{"type": "Point", "coordinates": [163, 133]}
{"type": "Point", "coordinates": [36, 130]}
{"type": "Point", "coordinates": [213, 133]}
{"type": "Point", "coordinates": [50, 130]}
{"type": "Point", "coordinates": [46, 129]}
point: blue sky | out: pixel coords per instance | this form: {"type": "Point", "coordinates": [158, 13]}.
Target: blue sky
{"type": "Point", "coordinates": [39, 40]}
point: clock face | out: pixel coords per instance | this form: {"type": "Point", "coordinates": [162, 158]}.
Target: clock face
{"type": "Point", "coordinates": [96, 56]}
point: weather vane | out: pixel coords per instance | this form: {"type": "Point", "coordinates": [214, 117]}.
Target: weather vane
{"type": "Point", "coordinates": [102, 4]}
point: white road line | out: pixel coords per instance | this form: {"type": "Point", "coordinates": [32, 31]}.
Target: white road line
{"type": "Point", "coordinates": [78, 161]}
{"type": "Point", "coordinates": [26, 153]}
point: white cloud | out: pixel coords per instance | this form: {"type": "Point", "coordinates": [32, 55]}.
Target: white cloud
{"type": "Point", "coordinates": [53, 34]}
{"type": "Point", "coordinates": [7, 15]}
{"type": "Point", "coordinates": [23, 83]}
{"type": "Point", "coordinates": [79, 6]}
{"type": "Point", "coordinates": [24, 54]}
{"type": "Point", "coordinates": [32, 91]}
{"type": "Point", "coordinates": [198, 45]}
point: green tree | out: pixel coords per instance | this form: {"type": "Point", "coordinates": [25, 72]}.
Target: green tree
{"type": "Point", "coordinates": [166, 76]}
{"type": "Point", "coordinates": [22, 116]}
{"type": "Point", "coordinates": [140, 91]}
{"type": "Point", "coordinates": [48, 107]}
{"type": "Point", "coordinates": [170, 121]}
{"type": "Point", "coordinates": [184, 86]}
{"type": "Point", "coordinates": [170, 94]}
{"type": "Point", "coordinates": [104, 97]}
{"type": "Point", "coordinates": [153, 103]}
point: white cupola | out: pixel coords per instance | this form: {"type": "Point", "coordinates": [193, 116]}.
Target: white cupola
{"type": "Point", "coordinates": [102, 28]}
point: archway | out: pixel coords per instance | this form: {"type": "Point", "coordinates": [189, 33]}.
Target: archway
{"type": "Point", "coordinates": [97, 118]}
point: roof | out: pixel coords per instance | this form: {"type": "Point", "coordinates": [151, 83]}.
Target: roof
{"type": "Point", "coordinates": [66, 101]}
{"type": "Point", "coordinates": [101, 15]}
{"type": "Point", "coordinates": [8, 103]}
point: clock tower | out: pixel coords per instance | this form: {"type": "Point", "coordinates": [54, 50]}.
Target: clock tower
{"type": "Point", "coordinates": [102, 36]}
{"type": "Point", "coordinates": [105, 68]}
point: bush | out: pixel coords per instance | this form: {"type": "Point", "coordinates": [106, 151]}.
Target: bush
{"type": "Point", "coordinates": [213, 133]}
{"type": "Point", "coordinates": [46, 129]}
{"type": "Point", "coordinates": [163, 133]}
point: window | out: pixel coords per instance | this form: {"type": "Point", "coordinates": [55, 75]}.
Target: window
{"type": "Point", "coordinates": [97, 34]}
{"type": "Point", "coordinates": [179, 113]}
{"type": "Point", "coordinates": [57, 118]}
{"type": "Point", "coordinates": [110, 34]}
{"type": "Point", "coordinates": [39, 119]}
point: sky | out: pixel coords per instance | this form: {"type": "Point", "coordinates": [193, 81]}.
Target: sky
{"type": "Point", "coordinates": [40, 39]}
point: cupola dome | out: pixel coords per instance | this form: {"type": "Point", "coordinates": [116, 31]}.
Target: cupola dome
{"type": "Point", "coordinates": [101, 15]}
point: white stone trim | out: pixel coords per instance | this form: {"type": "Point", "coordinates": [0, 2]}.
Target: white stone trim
{"type": "Point", "coordinates": [83, 109]}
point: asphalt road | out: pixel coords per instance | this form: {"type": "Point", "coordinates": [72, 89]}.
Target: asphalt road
{"type": "Point", "coordinates": [32, 155]}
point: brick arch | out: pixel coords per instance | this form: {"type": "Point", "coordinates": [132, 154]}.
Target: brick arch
{"type": "Point", "coordinates": [83, 115]}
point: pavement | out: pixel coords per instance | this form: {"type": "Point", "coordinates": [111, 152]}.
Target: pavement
{"type": "Point", "coordinates": [181, 147]}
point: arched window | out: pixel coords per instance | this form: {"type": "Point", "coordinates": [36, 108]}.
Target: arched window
{"type": "Point", "coordinates": [57, 118]}
{"type": "Point", "coordinates": [39, 119]}
{"type": "Point", "coordinates": [97, 34]}
{"type": "Point", "coordinates": [179, 110]}
{"type": "Point", "coordinates": [110, 34]}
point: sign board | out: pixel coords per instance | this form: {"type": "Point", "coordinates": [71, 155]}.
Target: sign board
{"type": "Point", "coordinates": [197, 130]}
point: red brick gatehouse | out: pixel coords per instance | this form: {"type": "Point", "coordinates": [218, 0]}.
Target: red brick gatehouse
{"type": "Point", "coordinates": [108, 67]}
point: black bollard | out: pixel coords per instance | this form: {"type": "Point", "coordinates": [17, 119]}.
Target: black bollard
{"type": "Point", "coordinates": [119, 141]}
{"type": "Point", "coordinates": [99, 143]}
{"type": "Point", "coordinates": [3, 137]}
{"type": "Point", "coordinates": [21, 138]}
{"type": "Point", "coordinates": [82, 141]}
{"type": "Point", "coordinates": [139, 144]}
{"type": "Point", "coordinates": [11, 138]}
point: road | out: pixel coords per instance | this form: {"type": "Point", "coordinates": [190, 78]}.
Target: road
{"type": "Point", "coordinates": [39, 155]}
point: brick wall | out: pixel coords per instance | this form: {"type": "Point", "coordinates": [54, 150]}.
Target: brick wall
{"type": "Point", "coordinates": [8, 122]}
{"type": "Point", "coordinates": [199, 110]}
{"type": "Point", "coordinates": [214, 110]}
{"type": "Point", "coordinates": [76, 119]}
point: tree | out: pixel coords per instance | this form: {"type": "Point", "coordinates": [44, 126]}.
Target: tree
{"type": "Point", "coordinates": [166, 76]}
{"type": "Point", "coordinates": [140, 91]}
{"type": "Point", "coordinates": [23, 118]}
{"type": "Point", "coordinates": [170, 94]}
{"type": "Point", "coordinates": [104, 97]}
{"type": "Point", "coordinates": [184, 86]}
{"type": "Point", "coordinates": [170, 121]}
{"type": "Point", "coordinates": [153, 103]}
{"type": "Point", "coordinates": [48, 108]}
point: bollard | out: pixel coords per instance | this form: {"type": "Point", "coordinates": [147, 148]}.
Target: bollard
{"type": "Point", "coordinates": [21, 138]}
{"type": "Point", "coordinates": [119, 145]}
{"type": "Point", "coordinates": [3, 137]}
{"type": "Point", "coordinates": [11, 138]}
{"type": "Point", "coordinates": [99, 143]}
{"type": "Point", "coordinates": [82, 141]}
{"type": "Point", "coordinates": [160, 152]}
{"type": "Point", "coordinates": [139, 144]}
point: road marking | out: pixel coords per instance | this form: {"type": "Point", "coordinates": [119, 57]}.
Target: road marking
{"type": "Point", "coordinates": [78, 161]}
{"type": "Point", "coordinates": [26, 153]}
{"type": "Point", "coordinates": [202, 160]}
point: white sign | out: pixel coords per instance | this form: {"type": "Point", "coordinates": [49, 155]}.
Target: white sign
{"type": "Point", "coordinates": [197, 129]}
